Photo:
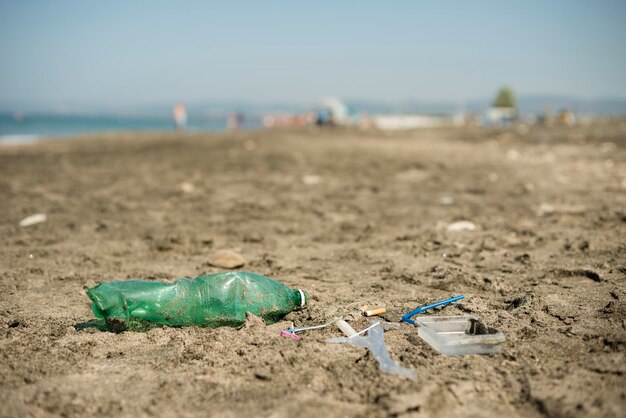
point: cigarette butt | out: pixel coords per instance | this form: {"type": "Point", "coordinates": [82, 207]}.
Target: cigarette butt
{"type": "Point", "coordinates": [375, 311]}
{"type": "Point", "coordinates": [365, 308]}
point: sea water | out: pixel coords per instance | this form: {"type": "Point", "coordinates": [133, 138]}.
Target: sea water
{"type": "Point", "coordinates": [28, 128]}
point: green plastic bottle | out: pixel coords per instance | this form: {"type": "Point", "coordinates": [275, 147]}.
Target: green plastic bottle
{"type": "Point", "coordinates": [213, 300]}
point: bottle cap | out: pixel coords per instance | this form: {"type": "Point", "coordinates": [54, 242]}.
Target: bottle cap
{"type": "Point", "coordinates": [303, 298]}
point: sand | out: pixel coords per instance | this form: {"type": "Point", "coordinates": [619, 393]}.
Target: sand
{"type": "Point", "coordinates": [352, 217]}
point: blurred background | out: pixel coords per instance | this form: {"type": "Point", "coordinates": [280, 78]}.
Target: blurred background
{"type": "Point", "coordinates": [71, 67]}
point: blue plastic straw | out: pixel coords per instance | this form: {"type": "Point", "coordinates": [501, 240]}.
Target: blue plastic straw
{"type": "Point", "coordinates": [407, 317]}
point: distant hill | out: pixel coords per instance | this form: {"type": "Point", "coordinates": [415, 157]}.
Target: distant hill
{"type": "Point", "coordinates": [528, 105]}
{"type": "Point", "coordinates": [603, 106]}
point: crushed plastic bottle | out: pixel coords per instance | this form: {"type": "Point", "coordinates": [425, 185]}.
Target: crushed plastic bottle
{"type": "Point", "coordinates": [212, 300]}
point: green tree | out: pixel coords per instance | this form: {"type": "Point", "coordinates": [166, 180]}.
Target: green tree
{"type": "Point", "coordinates": [505, 98]}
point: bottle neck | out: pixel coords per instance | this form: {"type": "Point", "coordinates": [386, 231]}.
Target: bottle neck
{"type": "Point", "coordinates": [302, 298]}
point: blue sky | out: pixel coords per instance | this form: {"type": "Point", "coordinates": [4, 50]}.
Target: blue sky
{"type": "Point", "coordinates": [144, 52]}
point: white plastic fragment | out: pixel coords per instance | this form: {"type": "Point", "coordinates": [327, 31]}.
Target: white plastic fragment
{"type": "Point", "coordinates": [461, 226]}
{"type": "Point", "coordinates": [347, 330]}
{"type": "Point", "coordinates": [34, 219]}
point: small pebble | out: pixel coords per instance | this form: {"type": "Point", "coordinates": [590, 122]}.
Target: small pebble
{"type": "Point", "coordinates": [187, 187]}
{"type": "Point", "coordinates": [226, 259]}
{"type": "Point", "coordinates": [446, 200]}
{"type": "Point", "coordinates": [545, 209]}
{"type": "Point", "coordinates": [311, 180]}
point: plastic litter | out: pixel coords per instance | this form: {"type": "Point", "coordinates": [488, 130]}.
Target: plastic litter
{"type": "Point", "coordinates": [292, 335]}
{"type": "Point", "coordinates": [407, 317]}
{"type": "Point", "coordinates": [461, 226]}
{"type": "Point", "coordinates": [292, 331]}
{"type": "Point", "coordinates": [347, 330]}
{"type": "Point", "coordinates": [34, 219]}
{"type": "Point", "coordinates": [213, 300]}
{"type": "Point", "coordinates": [459, 335]}
{"type": "Point", "coordinates": [375, 342]}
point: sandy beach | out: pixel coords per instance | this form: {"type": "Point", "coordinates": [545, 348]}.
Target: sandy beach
{"type": "Point", "coordinates": [353, 218]}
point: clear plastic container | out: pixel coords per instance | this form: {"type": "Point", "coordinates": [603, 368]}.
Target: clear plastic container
{"type": "Point", "coordinates": [459, 335]}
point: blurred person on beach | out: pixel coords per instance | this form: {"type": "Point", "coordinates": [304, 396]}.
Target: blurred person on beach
{"type": "Point", "coordinates": [179, 114]}
{"type": "Point", "coordinates": [234, 121]}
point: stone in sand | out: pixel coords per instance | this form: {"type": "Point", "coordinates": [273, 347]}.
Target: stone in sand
{"type": "Point", "coordinates": [187, 187]}
{"type": "Point", "coordinates": [446, 200]}
{"type": "Point", "coordinates": [311, 179]}
{"type": "Point", "coordinates": [226, 259]}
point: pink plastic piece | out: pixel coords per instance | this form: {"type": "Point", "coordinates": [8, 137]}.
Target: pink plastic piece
{"type": "Point", "coordinates": [294, 336]}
